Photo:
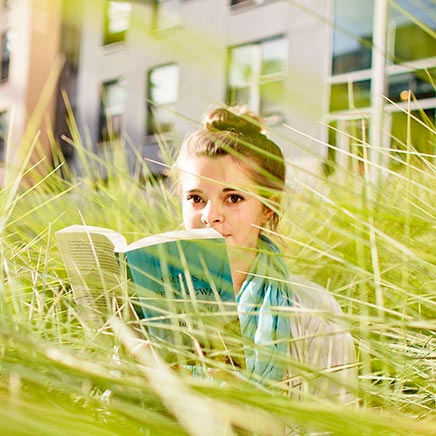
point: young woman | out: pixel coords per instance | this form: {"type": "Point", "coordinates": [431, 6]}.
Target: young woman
{"type": "Point", "coordinates": [231, 178]}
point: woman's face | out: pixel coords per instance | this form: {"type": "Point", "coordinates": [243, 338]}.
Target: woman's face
{"type": "Point", "coordinates": [216, 193]}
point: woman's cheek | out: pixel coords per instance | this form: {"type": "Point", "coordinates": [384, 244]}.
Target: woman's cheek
{"type": "Point", "coordinates": [191, 219]}
{"type": "Point", "coordinates": [186, 217]}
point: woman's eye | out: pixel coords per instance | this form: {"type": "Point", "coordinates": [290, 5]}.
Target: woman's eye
{"type": "Point", "coordinates": [235, 198]}
{"type": "Point", "coordinates": [196, 199]}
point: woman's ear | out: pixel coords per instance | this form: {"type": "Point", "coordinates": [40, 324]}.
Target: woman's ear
{"type": "Point", "coordinates": [272, 203]}
{"type": "Point", "coordinates": [267, 214]}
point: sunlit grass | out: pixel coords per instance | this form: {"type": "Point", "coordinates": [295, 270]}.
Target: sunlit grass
{"type": "Point", "coordinates": [374, 254]}
{"type": "Point", "coordinates": [370, 243]}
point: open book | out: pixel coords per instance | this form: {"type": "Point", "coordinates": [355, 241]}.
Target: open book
{"type": "Point", "coordinates": [179, 282]}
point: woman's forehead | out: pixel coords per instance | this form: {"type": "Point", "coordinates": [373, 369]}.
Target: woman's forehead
{"type": "Point", "coordinates": [225, 171]}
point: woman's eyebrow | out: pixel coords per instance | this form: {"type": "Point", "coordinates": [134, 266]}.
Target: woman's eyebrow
{"type": "Point", "coordinates": [199, 191]}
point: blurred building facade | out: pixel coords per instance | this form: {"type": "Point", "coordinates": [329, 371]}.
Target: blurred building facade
{"type": "Point", "coordinates": [316, 70]}
{"type": "Point", "coordinates": [151, 69]}
{"type": "Point", "coordinates": [30, 35]}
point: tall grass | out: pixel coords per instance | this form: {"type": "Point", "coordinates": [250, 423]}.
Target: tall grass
{"type": "Point", "coordinates": [370, 243]}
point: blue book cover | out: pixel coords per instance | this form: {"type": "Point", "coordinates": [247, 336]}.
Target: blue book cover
{"type": "Point", "coordinates": [185, 296]}
{"type": "Point", "coordinates": [182, 278]}
{"type": "Point", "coordinates": [180, 284]}
{"type": "Point", "coordinates": [195, 269]}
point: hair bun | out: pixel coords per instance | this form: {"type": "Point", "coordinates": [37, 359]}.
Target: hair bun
{"type": "Point", "coordinates": [237, 119]}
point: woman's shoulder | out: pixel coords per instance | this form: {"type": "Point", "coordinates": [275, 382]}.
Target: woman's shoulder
{"type": "Point", "coordinates": [310, 295]}
{"type": "Point", "coordinates": [318, 311]}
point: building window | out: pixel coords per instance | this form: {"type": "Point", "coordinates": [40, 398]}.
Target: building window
{"type": "Point", "coordinates": [412, 26]}
{"type": "Point", "coordinates": [409, 41]}
{"type": "Point", "coordinates": [112, 107]}
{"type": "Point", "coordinates": [163, 88]}
{"type": "Point", "coordinates": [352, 36]}
{"type": "Point", "coordinates": [3, 133]}
{"type": "Point", "coordinates": [117, 21]}
{"type": "Point", "coordinates": [165, 14]}
{"type": "Point", "coordinates": [237, 3]}
{"type": "Point", "coordinates": [347, 96]}
{"type": "Point", "coordinates": [419, 82]}
{"type": "Point", "coordinates": [6, 49]}
{"type": "Point", "coordinates": [348, 138]}
{"type": "Point", "coordinates": [7, 4]}
{"type": "Point", "coordinates": [256, 75]}
{"type": "Point", "coordinates": [419, 126]}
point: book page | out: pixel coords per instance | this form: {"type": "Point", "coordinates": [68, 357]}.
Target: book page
{"type": "Point", "coordinates": [92, 268]}
{"type": "Point", "coordinates": [83, 253]}
{"type": "Point", "coordinates": [117, 240]}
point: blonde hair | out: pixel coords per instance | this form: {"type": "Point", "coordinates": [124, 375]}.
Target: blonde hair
{"type": "Point", "coordinates": [239, 133]}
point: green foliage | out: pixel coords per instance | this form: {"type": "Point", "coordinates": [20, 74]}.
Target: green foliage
{"type": "Point", "coordinates": [371, 244]}
{"type": "Point", "coordinates": [366, 234]}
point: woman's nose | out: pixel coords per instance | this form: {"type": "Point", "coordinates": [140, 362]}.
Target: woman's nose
{"type": "Point", "coordinates": [212, 214]}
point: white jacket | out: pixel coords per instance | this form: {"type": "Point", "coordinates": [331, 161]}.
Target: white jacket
{"type": "Point", "coordinates": [322, 354]}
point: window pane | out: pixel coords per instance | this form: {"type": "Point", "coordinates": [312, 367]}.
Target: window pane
{"type": "Point", "coordinates": [117, 21]}
{"type": "Point", "coordinates": [242, 63]}
{"type": "Point", "coordinates": [164, 84]}
{"type": "Point", "coordinates": [413, 26]}
{"type": "Point", "coordinates": [161, 120]}
{"type": "Point", "coordinates": [270, 95]}
{"type": "Point", "coordinates": [166, 14]}
{"type": "Point", "coordinates": [340, 98]}
{"type": "Point", "coordinates": [330, 162]}
{"type": "Point", "coordinates": [273, 56]}
{"type": "Point", "coordinates": [421, 83]}
{"type": "Point", "coordinates": [352, 35]}
{"type": "Point", "coordinates": [255, 75]}
{"type": "Point", "coordinates": [163, 89]}
{"type": "Point", "coordinates": [422, 139]}
{"type": "Point", "coordinates": [112, 107]}
{"type": "Point", "coordinates": [238, 95]}
{"type": "Point", "coordinates": [241, 75]}
{"type": "Point", "coordinates": [6, 49]}
{"type": "Point", "coordinates": [348, 138]}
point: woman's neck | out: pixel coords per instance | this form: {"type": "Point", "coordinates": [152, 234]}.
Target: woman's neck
{"type": "Point", "coordinates": [240, 264]}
